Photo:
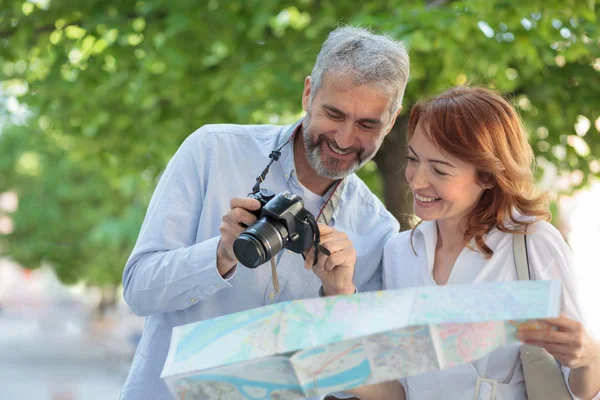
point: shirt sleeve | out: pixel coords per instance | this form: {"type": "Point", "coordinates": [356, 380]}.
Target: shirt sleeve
{"type": "Point", "coordinates": [376, 282]}
{"type": "Point", "coordinates": [400, 264]}
{"type": "Point", "coordinates": [566, 373]}
{"type": "Point", "coordinates": [167, 270]}
{"type": "Point", "coordinates": [388, 263]}
{"type": "Point", "coordinates": [551, 258]}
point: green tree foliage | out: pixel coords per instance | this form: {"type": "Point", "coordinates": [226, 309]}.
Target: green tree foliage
{"type": "Point", "coordinates": [113, 87]}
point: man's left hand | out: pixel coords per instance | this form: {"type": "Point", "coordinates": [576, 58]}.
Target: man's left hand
{"type": "Point", "coordinates": [336, 270]}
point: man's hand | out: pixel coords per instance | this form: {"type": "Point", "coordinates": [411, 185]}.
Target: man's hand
{"type": "Point", "coordinates": [232, 227]}
{"type": "Point", "coordinates": [337, 269]}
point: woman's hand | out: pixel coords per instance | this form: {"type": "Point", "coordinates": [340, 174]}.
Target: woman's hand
{"type": "Point", "coordinates": [392, 390]}
{"type": "Point", "coordinates": [566, 339]}
{"type": "Point", "coordinates": [569, 342]}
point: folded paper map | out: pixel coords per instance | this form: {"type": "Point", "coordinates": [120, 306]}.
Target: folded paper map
{"type": "Point", "coordinates": [312, 347]}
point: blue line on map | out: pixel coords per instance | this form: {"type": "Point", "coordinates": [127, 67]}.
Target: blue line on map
{"type": "Point", "coordinates": [240, 383]}
{"type": "Point", "coordinates": [210, 330]}
{"type": "Point", "coordinates": [310, 352]}
{"type": "Point", "coordinates": [362, 370]}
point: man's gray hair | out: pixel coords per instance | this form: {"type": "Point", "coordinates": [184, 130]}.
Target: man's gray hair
{"type": "Point", "coordinates": [368, 59]}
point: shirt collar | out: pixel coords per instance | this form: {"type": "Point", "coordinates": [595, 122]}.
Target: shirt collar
{"type": "Point", "coordinates": [287, 159]}
{"type": "Point", "coordinates": [287, 152]}
{"type": "Point", "coordinates": [428, 231]}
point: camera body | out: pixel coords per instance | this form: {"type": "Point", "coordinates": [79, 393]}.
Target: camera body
{"type": "Point", "coordinates": [263, 196]}
{"type": "Point", "coordinates": [283, 222]}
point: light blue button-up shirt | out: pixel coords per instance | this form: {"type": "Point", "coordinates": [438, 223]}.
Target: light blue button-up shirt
{"type": "Point", "coordinates": [171, 276]}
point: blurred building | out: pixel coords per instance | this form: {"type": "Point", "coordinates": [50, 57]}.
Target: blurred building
{"type": "Point", "coordinates": [53, 342]}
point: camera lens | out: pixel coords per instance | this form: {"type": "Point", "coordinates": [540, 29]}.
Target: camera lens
{"type": "Point", "coordinates": [259, 243]}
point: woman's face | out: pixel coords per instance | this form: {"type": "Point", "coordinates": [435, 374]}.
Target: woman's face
{"type": "Point", "coordinates": [444, 188]}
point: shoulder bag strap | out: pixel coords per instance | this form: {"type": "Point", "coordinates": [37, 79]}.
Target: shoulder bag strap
{"type": "Point", "coordinates": [543, 378]}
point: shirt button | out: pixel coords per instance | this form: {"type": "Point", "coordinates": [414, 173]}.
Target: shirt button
{"type": "Point", "coordinates": [272, 295]}
{"type": "Point", "coordinates": [193, 301]}
{"type": "Point", "coordinates": [218, 286]}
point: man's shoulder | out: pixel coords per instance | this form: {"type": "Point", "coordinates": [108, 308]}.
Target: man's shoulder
{"type": "Point", "coordinates": [360, 196]}
{"type": "Point", "coordinates": [364, 212]}
{"type": "Point", "coordinates": [255, 131]}
{"type": "Point", "coordinates": [226, 134]}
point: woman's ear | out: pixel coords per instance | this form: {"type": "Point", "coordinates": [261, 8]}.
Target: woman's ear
{"type": "Point", "coordinates": [486, 180]}
{"type": "Point", "coordinates": [489, 185]}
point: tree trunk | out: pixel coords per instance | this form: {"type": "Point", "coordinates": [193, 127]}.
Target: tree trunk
{"type": "Point", "coordinates": [391, 161]}
{"type": "Point", "coordinates": [108, 300]}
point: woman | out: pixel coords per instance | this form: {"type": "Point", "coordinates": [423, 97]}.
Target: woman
{"type": "Point", "coordinates": [469, 170]}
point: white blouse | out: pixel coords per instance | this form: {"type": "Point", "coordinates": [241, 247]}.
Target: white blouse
{"type": "Point", "coordinates": [549, 258]}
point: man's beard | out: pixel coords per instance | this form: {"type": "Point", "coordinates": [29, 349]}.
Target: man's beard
{"type": "Point", "coordinates": [331, 168]}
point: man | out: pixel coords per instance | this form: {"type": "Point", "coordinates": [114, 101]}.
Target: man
{"type": "Point", "coordinates": [183, 268]}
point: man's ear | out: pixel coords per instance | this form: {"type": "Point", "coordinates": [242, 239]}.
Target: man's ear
{"type": "Point", "coordinates": [393, 121]}
{"type": "Point", "coordinates": [306, 94]}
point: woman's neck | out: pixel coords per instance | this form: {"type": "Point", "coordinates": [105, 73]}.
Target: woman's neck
{"type": "Point", "coordinates": [450, 235]}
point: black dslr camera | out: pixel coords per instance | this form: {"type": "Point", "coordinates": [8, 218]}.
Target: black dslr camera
{"type": "Point", "coordinates": [283, 222]}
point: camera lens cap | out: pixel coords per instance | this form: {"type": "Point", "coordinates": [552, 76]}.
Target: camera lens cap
{"type": "Point", "coordinates": [249, 251]}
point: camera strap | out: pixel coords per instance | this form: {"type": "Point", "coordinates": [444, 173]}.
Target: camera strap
{"type": "Point", "coordinates": [325, 213]}
{"type": "Point", "coordinates": [328, 209]}
{"type": "Point", "coordinates": [275, 154]}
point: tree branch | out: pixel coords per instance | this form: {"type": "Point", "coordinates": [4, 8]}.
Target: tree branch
{"type": "Point", "coordinates": [5, 34]}
{"type": "Point", "coordinates": [437, 3]}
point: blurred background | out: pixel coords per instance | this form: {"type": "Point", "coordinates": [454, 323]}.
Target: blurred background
{"type": "Point", "coordinates": [96, 96]}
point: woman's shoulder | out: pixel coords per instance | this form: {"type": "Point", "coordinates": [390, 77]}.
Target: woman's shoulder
{"type": "Point", "coordinates": [543, 239]}
{"type": "Point", "coordinates": [538, 229]}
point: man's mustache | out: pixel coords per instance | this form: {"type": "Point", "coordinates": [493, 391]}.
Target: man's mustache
{"type": "Point", "coordinates": [322, 138]}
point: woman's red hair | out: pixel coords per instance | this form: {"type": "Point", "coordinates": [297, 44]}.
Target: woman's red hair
{"type": "Point", "coordinates": [481, 128]}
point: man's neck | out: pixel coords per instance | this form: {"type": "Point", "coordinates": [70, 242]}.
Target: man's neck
{"type": "Point", "coordinates": [305, 172]}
